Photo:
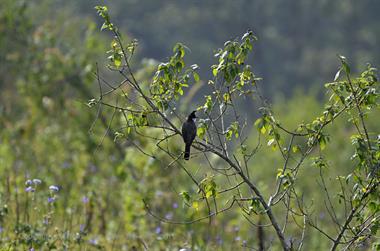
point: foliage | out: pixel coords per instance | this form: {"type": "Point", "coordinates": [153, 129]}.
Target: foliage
{"type": "Point", "coordinates": [233, 79]}
{"type": "Point", "coordinates": [294, 51]}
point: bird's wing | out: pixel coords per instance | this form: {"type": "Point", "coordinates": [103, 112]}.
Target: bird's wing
{"type": "Point", "coordinates": [193, 131]}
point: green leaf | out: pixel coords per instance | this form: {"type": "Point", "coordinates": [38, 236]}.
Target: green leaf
{"type": "Point", "coordinates": [210, 189]}
{"type": "Point", "coordinates": [201, 131]}
{"type": "Point", "coordinates": [92, 102]}
{"type": "Point", "coordinates": [208, 104]}
{"type": "Point", "coordinates": [319, 162]}
{"type": "Point", "coordinates": [101, 8]}
{"type": "Point", "coordinates": [215, 72]}
{"type": "Point", "coordinates": [195, 205]}
{"type": "Point", "coordinates": [194, 67]}
{"type": "Point", "coordinates": [337, 74]}
{"type": "Point", "coordinates": [179, 65]}
{"type": "Point", "coordinates": [376, 245]}
{"type": "Point", "coordinates": [271, 141]}
{"type": "Point", "coordinates": [117, 60]}
{"type": "Point", "coordinates": [118, 135]}
{"type": "Point", "coordinates": [255, 206]}
{"type": "Point", "coordinates": [233, 129]}
{"type": "Point", "coordinates": [295, 149]}
{"type": "Point", "coordinates": [243, 149]}
{"type": "Point", "coordinates": [179, 50]}
{"type": "Point", "coordinates": [196, 76]}
{"type": "Point", "coordinates": [104, 26]}
{"type": "Point", "coordinates": [342, 58]}
{"type": "Point", "coordinates": [259, 123]}
{"type": "Point", "coordinates": [180, 91]}
{"type": "Point", "coordinates": [226, 97]}
{"type": "Point", "coordinates": [373, 207]}
{"type": "Point", "coordinates": [228, 134]}
{"type": "Point", "coordinates": [185, 196]}
{"type": "Point", "coordinates": [322, 142]}
{"type": "Point", "coordinates": [279, 174]}
{"type": "Point", "coordinates": [345, 66]}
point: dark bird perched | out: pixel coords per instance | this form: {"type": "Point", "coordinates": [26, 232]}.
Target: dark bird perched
{"type": "Point", "coordinates": [189, 131]}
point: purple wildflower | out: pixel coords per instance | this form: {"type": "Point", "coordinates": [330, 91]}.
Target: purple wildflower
{"type": "Point", "coordinates": [237, 238]}
{"type": "Point", "coordinates": [54, 188]}
{"type": "Point", "coordinates": [51, 199]}
{"type": "Point", "coordinates": [93, 241]}
{"type": "Point", "coordinates": [244, 243]}
{"type": "Point", "coordinates": [158, 230]}
{"type": "Point", "coordinates": [169, 216]}
{"type": "Point", "coordinates": [175, 205]}
{"type": "Point", "coordinates": [85, 199]}
{"type": "Point", "coordinates": [37, 181]}
{"type": "Point", "coordinates": [28, 183]}
{"type": "Point", "coordinates": [29, 189]}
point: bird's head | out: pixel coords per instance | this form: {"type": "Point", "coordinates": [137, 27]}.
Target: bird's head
{"type": "Point", "coordinates": [192, 115]}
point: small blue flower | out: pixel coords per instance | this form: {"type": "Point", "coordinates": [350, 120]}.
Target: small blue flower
{"type": "Point", "coordinates": [175, 205]}
{"type": "Point", "coordinates": [169, 216]}
{"type": "Point", "coordinates": [54, 188]}
{"type": "Point", "coordinates": [158, 230]}
{"type": "Point", "coordinates": [237, 238]}
{"type": "Point", "coordinates": [29, 189]}
{"type": "Point", "coordinates": [85, 199]}
{"type": "Point", "coordinates": [31, 249]}
{"type": "Point", "coordinates": [51, 199]}
{"type": "Point", "coordinates": [37, 181]}
{"type": "Point", "coordinates": [93, 241]}
{"type": "Point", "coordinates": [244, 243]}
{"type": "Point", "coordinates": [28, 182]}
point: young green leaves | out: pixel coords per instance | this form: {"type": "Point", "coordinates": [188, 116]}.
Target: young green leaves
{"type": "Point", "coordinates": [171, 78]}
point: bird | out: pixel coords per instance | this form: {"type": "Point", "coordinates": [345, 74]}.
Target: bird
{"type": "Point", "coordinates": [189, 131]}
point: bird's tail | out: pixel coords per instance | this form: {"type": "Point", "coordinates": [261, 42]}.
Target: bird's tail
{"type": "Point", "coordinates": [187, 151]}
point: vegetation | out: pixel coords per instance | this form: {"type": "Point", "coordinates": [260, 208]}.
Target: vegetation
{"type": "Point", "coordinates": [91, 152]}
{"type": "Point", "coordinates": [298, 41]}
